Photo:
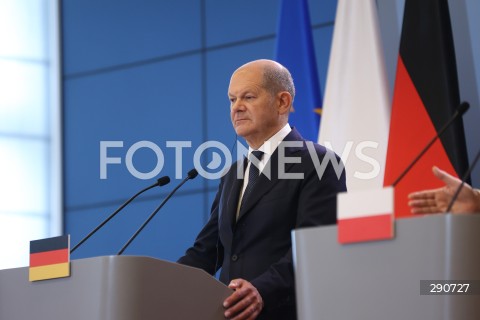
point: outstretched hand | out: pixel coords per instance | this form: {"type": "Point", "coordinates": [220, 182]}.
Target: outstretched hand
{"type": "Point", "coordinates": [437, 200]}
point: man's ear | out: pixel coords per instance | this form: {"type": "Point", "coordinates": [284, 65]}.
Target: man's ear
{"type": "Point", "coordinates": [285, 102]}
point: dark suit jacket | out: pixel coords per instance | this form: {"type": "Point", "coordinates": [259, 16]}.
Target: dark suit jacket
{"type": "Point", "coordinates": [258, 246]}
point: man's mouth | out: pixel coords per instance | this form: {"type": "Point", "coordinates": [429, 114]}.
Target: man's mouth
{"type": "Point", "coordinates": [238, 121]}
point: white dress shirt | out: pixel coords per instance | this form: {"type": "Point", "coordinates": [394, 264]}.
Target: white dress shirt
{"type": "Point", "coordinates": [268, 148]}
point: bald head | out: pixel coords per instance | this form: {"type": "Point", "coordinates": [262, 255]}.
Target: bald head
{"type": "Point", "coordinates": [260, 94]}
{"type": "Point", "coordinates": [276, 78]}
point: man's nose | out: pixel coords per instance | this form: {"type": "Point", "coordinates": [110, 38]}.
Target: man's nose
{"type": "Point", "coordinates": [237, 106]}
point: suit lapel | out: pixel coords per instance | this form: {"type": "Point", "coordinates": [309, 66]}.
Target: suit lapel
{"type": "Point", "coordinates": [234, 186]}
{"type": "Point", "coordinates": [264, 184]}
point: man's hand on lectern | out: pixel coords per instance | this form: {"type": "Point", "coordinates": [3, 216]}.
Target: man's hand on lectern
{"type": "Point", "coordinates": [245, 303]}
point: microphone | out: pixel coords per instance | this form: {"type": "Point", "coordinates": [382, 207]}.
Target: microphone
{"type": "Point", "coordinates": [465, 177]}
{"type": "Point", "coordinates": [461, 109]}
{"type": "Point", "coordinates": [192, 174]}
{"type": "Point", "coordinates": [160, 182]}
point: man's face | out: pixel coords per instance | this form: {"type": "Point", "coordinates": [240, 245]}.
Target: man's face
{"type": "Point", "coordinates": [253, 109]}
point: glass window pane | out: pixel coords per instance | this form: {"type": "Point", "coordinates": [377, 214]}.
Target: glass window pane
{"type": "Point", "coordinates": [22, 29]}
{"type": "Point", "coordinates": [23, 176]}
{"type": "Point", "coordinates": [29, 155]}
{"type": "Point", "coordinates": [16, 232]}
{"type": "Point", "coordinates": [23, 100]}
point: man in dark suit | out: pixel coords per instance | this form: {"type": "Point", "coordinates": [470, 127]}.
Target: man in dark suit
{"type": "Point", "coordinates": [249, 232]}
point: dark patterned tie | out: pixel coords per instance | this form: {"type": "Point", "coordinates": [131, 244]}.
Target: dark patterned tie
{"type": "Point", "coordinates": [253, 174]}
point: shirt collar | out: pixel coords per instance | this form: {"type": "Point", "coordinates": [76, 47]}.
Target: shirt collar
{"type": "Point", "coordinates": [269, 146]}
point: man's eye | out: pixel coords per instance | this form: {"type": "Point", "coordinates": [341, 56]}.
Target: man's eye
{"type": "Point", "coordinates": [249, 97]}
{"type": "Point", "coordinates": [232, 100]}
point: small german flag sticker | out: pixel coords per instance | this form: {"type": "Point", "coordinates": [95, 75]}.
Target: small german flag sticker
{"type": "Point", "coordinates": [50, 258]}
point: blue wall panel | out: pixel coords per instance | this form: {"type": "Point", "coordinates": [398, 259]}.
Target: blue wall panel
{"type": "Point", "coordinates": [167, 236]}
{"type": "Point", "coordinates": [322, 11]}
{"type": "Point", "coordinates": [231, 21]}
{"type": "Point", "coordinates": [106, 33]}
{"type": "Point", "coordinates": [157, 103]}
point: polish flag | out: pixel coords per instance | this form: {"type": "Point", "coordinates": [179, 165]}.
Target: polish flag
{"type": "Point", "coordinates": [365, 215]}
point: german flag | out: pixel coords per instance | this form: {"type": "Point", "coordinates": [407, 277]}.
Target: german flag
{"type": "Point", "coordinates": [50, 258]}
{"type": "Point", "coordinates": [425, 97]}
